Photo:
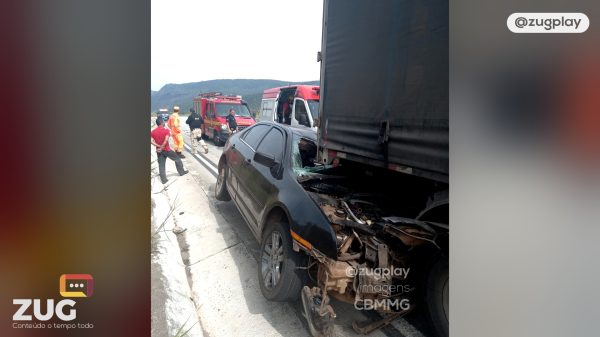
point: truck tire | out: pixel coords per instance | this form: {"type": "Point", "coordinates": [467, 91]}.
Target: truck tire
{"type": "Point", "coordinates": [221, 192]}
{"type": "Point", "coordinates": [216, 138]}
{"type": "Point", "coordinates": [280, 279]}
{"type": "Point", "coordinates": [436, 298]}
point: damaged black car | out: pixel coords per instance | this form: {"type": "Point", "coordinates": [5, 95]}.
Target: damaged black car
{"type": "Point", "coordinates": [370, 237]}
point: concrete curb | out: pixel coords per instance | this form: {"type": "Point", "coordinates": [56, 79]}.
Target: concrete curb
{"type": "Point", "coordinates": [172, 303]}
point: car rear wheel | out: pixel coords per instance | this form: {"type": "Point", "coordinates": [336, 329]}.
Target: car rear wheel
{"type": "Point", "coordinates": [221, 192]}
{"type": "Point", "coordinates": [278, 273]}
{"type": "Point", "coordinates": [437, 297]}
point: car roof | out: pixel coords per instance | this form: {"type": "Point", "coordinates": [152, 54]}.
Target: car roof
{"type": "Point", "coordinates": [301, 131]}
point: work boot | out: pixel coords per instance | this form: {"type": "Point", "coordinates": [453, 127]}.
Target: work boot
{"type": "Point", "coordinates": [180, 155]}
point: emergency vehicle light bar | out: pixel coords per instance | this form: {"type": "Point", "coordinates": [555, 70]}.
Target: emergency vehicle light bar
{"type": "Point", "coordinates": [210, 94]}
{"type": "Point", "coordinates": [220, 96]}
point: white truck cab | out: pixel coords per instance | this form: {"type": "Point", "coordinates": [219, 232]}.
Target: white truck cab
{"type": "Point", "coordinates": [303, 110]}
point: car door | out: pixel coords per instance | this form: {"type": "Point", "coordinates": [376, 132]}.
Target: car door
{"type": "Point", "coordinates": [263, 183]}
{"type": "Point", "coordinates": [241, 166]}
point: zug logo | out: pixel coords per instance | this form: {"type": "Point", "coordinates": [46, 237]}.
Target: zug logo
{"type": "Point", "coordinates": [70, 285]}
{"type": "Point", "coordinates": [21, 315]}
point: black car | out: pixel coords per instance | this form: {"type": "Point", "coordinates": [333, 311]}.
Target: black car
{"type": "Point", "coordinates": [259, 170]}
{"type": "Point", "coordinates": [336, 224]}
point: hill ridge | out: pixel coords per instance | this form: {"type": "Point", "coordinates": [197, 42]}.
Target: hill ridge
{"type": "Point", "coordinates": [182, 94]}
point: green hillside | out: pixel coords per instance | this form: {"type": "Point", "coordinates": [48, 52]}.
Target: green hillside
{"type": "Point", "coordinates": [182, 94]}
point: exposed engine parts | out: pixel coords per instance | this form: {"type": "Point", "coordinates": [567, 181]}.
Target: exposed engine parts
{"type": "Point", "coordinates": [373, 266]}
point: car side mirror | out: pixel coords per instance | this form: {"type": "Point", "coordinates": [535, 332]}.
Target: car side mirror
{"type": "Point", "coordinates": [265, 159]}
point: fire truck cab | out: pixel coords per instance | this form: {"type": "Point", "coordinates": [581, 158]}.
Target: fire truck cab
{"type": "Point", "coordinates": [214, 107]}
{"type": "Point", "coordinates": [305, 108]}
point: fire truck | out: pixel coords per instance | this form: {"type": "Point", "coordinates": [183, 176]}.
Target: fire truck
{"type": "Point", "coordinates": [214, 107]}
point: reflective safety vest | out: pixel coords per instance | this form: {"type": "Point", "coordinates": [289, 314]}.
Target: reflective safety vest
{"type": "Point", "coordinates": [173, 123]}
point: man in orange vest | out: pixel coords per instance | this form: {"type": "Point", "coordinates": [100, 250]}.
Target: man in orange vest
{"type": "Point", "coordinates": [175, 128]}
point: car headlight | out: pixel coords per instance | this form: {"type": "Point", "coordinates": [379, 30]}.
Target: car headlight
{"type": "Point", "coordinates": [223, 127]}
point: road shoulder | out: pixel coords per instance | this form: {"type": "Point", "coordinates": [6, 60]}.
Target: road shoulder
{"type": "Point", "coordinates": [173, 311]}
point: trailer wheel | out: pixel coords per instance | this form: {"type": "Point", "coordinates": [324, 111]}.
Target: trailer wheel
{"type": "Point", "coordinates": [437, 296]}
{"type": "Point", "coordinates": [280, 279]}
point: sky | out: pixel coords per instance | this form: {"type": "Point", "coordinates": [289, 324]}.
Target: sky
{"type": "Point", "coordinates": [200, 40]}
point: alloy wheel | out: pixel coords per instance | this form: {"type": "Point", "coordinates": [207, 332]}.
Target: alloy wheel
{"type": "Point", "coordinates": [272, 260]}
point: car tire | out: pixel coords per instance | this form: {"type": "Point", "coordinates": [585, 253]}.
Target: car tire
{"type": "Point", "coordinates": [216, 138]}
{"type": "Point", "coordinates": [278, 274]}
{"type": "Point", "coordinates": [221, 192]}
{"type": "Point", "coordinates": [437, 296]}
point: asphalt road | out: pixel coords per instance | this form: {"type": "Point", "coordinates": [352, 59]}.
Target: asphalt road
{"type": "Point", "coordinates": [221, 256]}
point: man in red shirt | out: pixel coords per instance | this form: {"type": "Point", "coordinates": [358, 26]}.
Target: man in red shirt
{"type": "Point", "coordinates": [159, 137]}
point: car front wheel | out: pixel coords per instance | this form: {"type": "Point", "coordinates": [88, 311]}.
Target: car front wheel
{"type": "Point", "coordinates": [279, 276]}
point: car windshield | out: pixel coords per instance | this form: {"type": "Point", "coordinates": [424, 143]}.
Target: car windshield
{"type": "Point", "coordinates": [240, 109]}
{"type": "Point", "coordinates": [304, 155]}
{"type": "Point", "coordinates": [313, 105]}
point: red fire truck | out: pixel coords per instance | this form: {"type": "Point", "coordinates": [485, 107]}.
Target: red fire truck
{"type": "Point", "coordinates": [214, 107]}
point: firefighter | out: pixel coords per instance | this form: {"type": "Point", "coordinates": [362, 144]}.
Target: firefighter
{"type": "Point", "coordinates": [231, 122]}
{"type": "Point", "coordinates": [175, 128]}
{"type": "Point", "coordinates": [195, 121]}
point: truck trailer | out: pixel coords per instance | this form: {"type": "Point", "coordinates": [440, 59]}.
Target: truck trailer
{"type": "Point", "coordinates": [357, 210]}
{"type": "Point", "coordinates": [383, 130]}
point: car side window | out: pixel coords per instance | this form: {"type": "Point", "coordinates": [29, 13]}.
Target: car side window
{"type": "Point", "coordinates": [304, 153]}
{"type": "Point", "coordinates": [273, 144]}
{"type": "Point", "coordinates": [255, 134]}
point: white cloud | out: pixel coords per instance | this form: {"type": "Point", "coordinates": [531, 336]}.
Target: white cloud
{"type": "Point", "coordinates": [203, 40]}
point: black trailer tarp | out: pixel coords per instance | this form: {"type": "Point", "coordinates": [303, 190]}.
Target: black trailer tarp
{"type": "Point", "coordinates": [385, 67]}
